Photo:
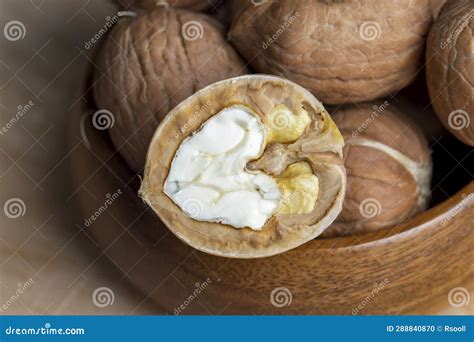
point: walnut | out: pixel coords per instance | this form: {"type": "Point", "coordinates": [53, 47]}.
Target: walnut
{"type": "Point", "coordinates": [247, 167]}
{"type": "Point", "coordinates": [450, 68]}
{"type": "Point", "coordinates": [388, 167]}
{"type": "Point", "coordinates": [150, 63]}
{"type": "Point", "coordinates": [195, 5]}
{"type": "Point", "coordinates": [342, 51]}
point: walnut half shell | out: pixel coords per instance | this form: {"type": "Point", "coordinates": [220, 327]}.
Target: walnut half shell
{"type": "Point", "coordinates": [302, 152]}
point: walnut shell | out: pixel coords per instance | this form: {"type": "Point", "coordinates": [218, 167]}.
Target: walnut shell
{"type": "Point", "coordinates": [450, 68]}
{"type": "Point", "coordinates": [342, 51]}
{"type": "Point", "coordinates": [194, 5]}
{"type": "Point", "coordinates": [150, 63]}
{"type": "Point", "coordinates": [223, 13]}
{"type": "Point", "coordinates": [388, 166]}
{"type": "Point", "coordinates": [320, 145]}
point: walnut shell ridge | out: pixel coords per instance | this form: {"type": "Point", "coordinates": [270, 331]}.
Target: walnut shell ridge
{"type": "Point", "coordinates": [194, 5]}
{"type": "Point", "coordinates": [150, 63]}
{"type": "Point", "coordinates": [388, 165]}
{"type": "Point", "coordinates": [450, 68]}
{"type": "Point", "coordinates": [342, 51]}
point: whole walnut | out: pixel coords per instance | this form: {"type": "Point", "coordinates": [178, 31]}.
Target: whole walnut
{"type": "Point", "coordinates": [342, 51]}
{"type": "Point", "coordinates": [150, 63]}
{"type": "Point", "coordinates": [195, 5]}
{"type": "Point", "coordinates": [388, 166]}
{"type": "Point", "coordinates": [450, 68]}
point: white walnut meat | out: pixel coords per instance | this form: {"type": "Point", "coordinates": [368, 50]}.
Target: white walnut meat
{"type": "Point", "coordinates": [342, 51]}
{"type": "Point", "coordinates": [300, 152]}
{"type": "Point", "coordinates": [450, 68]}
{"type": "Point", "coordinates": [137, 5]}
{"type": "Point", "coordinates": [150, 63]}
{"type": "Point", "coordinates": [388, 166]}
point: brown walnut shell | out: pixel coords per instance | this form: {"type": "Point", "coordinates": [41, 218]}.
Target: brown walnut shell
{"type": "Point", "coordinates": [320, 145]}
{"type": "Point", "coordinates": [342, 51]}
{"type": "Point", "coordinates": [388, 166]}
{"type": "Point", "coordinates": [150, 63]}
{"type": "Point", "coordinates": [450, 68]}
{"type": "Point", "coordinates": [194, 5]}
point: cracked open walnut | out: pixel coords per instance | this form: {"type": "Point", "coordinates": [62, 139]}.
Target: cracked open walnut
{"type": "Point", "coordinates": [247, 167]}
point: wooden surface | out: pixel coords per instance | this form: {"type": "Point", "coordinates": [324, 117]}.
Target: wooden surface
{"type": "Point", "coordinates": [51, 245]}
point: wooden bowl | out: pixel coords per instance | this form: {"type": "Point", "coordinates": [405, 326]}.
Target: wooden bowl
{"type": "Point", "coordinates": [405, 270]}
